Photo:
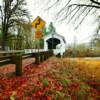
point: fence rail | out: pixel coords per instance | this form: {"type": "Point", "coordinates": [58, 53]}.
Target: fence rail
{"type": "Point", "coordinates": [16, 58]}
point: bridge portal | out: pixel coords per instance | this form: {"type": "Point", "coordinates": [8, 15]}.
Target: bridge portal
{"type": "Point", "coordinates": [52, 43]}
{"type": "Point", "coordinates": [55, 42]}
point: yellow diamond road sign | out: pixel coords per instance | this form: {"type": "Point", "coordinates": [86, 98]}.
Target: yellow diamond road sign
{"type": "Point", "coordinates": [38, 23]}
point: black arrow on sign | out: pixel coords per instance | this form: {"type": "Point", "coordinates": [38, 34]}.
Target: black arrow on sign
{"type": "Point", "coordinates": [38, 23]}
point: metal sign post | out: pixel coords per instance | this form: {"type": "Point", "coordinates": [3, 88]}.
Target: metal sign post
{"type": "Point", "coordinates": [52, 40]}
{"type": "Point", "coordinates": [38, 47]}
{"type": "Point", "coordinates": [38, 24]}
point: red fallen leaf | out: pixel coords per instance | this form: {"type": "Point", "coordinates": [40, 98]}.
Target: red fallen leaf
{"type": "Point", "coordinates": [6, 94]}
{"type": "Point", "coordinates": [27, 98]}
{"type": "Point", "coordinates": [34, 95]}
{"type": "Point", "coordinates": [51, 81]}
{"type": "Point", "coordinates": [93, 95]}
{"type": "Point", "coordinates": [74, 86]}
{"type": "Point", "coordinates": [40, 65]}
{"type": "Point", "coordinates": [49, 98]}
{"type": "Point", "coordinates": [1, 98]}
{"type": "Point", "coordinates": [93, 83]}
{"type": "Point", "coordinates": [59, 87]}
{"type": "Point", "coordinates": [39, 93]}
{"type": "Point", "coordinates": [38, 83]}
{"type": "Point", "coordinates": [23, 85]}
{"type": "Point", "coordinates": [46, 88]}
{"type": "Point", "coordinates": [94, 91]}
{"type": "Point", "coordinates": [73, 97]}
{"type": "Point", "coordinates": [19, 94]}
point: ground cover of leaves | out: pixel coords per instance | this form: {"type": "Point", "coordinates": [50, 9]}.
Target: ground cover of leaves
{"type": "Point", "coordinates": [54, 79]}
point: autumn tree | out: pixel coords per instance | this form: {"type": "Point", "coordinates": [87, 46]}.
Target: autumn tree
{"type": "Point", "coordinates": [12, 11]}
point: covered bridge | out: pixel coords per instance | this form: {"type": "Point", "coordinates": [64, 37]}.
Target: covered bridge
{"type": "Point", "coordinates": [55, 42]}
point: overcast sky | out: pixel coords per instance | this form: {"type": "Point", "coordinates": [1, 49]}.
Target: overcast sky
{"type": "Point", "coordinates": [36, 8]}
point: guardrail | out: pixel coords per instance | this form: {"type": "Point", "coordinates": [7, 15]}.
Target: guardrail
{"type": "Point", "coordinates": [17, 57]}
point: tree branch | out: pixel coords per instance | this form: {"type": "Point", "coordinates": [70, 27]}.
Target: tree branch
{"type": "Point", "coordinates": [93, 6]}
{"type": "Point", "coordinates": [84, 17]}
{"type": "Point", "coordinates": [60, 11]}
{"type": "Point", "coordinates": [96, 2]}
{"type": "Point", "coordinates": [52, 5]}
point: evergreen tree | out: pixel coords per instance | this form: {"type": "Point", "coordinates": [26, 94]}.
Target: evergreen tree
{"type": "Point", "coordinates": [44, 31]}
{"type": "Point", "coordinates": [51, 28]}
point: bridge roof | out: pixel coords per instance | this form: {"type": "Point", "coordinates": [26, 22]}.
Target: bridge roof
{"type": "Point", "coordinates": [54, 34]}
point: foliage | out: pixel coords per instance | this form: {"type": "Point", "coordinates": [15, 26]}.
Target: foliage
{"type": "Point", "coordinates": [45, 82]}
{"type": "Point", "coordinates": [95, 41]}
{"type": "Point", "coordinates": [82, 47]}
{"type": "Point", "coordinates": [25, 31]}
{"type": "Point", "coordinates": [59, 95]}
{"type": "Point", "coordinates": [83, 50]}
{"type": "Point", "coordinates": [51, 28]}
{"type": "Point", "coordinates": [24, 38]}
{"type": "Point", "coordinates": [41, 43]}
{"type": "Point", "coordinates": [12, 12]}
{"type": "Point", "coordinates": [44, 30]}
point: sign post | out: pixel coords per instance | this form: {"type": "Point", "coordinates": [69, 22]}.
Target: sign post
{"type": "Point", "coordinates": [38, 24]}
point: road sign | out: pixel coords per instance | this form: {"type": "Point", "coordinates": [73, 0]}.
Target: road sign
{"type": "Point", "coordinates": [38, 23]}
{"type": "Point", "coordinates": [38, 34]}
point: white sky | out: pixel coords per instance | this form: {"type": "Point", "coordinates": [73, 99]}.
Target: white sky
{"type": "Point", "coordinates": [82, 34]}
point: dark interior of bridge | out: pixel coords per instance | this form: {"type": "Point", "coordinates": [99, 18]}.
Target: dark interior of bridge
{"type": "Point", "coordinates": [52, 42]}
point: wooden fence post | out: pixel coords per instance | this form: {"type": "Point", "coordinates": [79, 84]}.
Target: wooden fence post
{"type": "Point", "coordinates": [42, 57]}
{"type": "Point", "coordinates": [17, 60]}
{"type": "Point", "coordinates": [37, 56]}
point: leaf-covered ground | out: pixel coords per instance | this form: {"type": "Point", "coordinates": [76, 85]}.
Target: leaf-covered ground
{"type": "Point", "coordinates": [54, 79]}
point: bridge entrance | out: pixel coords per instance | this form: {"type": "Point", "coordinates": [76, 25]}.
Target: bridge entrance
{"type": "Point", "coordinates": [56, 42]}
{"type": "Point", "coordinates": [52, 42]}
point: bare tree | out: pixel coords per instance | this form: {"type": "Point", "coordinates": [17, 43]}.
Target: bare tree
{"type": "Point", "coordinates": [11, 12]}
{"type": "Point", "coordinates": [75, 10]}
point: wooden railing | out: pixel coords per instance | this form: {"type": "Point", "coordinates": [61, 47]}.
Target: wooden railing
{"type": "Point", "coordinates": [17, 57]}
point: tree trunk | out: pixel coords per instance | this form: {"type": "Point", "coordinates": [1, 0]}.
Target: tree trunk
{"type": "Point", "coordinates": [4, 41]}
{"type": "Point", "coordinates": [4, 38]}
